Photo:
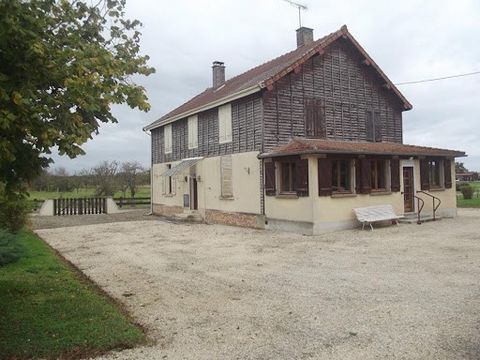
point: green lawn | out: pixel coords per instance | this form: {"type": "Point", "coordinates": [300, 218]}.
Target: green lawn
{"type": "Point", "coordinates": [48, 310]}
{"type": "Point", "coordinates": [475, 201]}
{"type": "Point", "coordinates": [143, 191]}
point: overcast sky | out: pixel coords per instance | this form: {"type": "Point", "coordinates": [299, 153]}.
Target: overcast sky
{"type": "Point", "coordinates": [410, 40]}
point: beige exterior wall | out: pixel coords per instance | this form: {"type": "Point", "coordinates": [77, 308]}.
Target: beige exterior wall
{"type": "Point", "coordinates": [245, 182]}
{"type": "Point", "coordinates": [328, 213]}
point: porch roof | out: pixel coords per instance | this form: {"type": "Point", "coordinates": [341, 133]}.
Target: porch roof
{"type": "Point", "coordinates": [302, 146]}
{"type": "Point", "coordinates": [181, 166]}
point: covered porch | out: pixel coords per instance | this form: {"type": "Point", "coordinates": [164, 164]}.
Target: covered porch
{"type": "Point", "coordinates": [312, 186]}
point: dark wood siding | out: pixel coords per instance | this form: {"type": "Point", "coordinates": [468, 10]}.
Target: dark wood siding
{"type": "Point", "coordinates": [246, 133]}
{"type": "Point", "coordinates": [347, 89]}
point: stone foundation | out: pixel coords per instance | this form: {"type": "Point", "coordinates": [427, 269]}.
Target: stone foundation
{"type": "Point", "coordinates": [236, 219]}
{"type": "Point", "coordinates": [166, 210]}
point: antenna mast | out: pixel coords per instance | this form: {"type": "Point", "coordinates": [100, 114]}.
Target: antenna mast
{"type": "Point", "coordinates": [300, 7]}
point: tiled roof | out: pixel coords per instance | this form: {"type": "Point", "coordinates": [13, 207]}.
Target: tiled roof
{"type": "Point", "coordinates": [299, 146]}
{"type": "Point", "coordinates": [266, 74]}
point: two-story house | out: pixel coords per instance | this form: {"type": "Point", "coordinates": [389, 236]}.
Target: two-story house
{"type": "Point", "coordinates": [296, 143]}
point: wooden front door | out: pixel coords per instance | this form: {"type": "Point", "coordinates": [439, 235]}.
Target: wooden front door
{"type": "Point", "coordinates": [408, 190]}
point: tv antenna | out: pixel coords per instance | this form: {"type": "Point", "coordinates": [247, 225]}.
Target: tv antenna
{"type": "Point", "coordinates": [300, 7]}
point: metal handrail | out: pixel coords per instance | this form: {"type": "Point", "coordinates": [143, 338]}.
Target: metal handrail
{"type": "Point", "coordinates": [435, 208]}
{"type": "Point", "coordinates": [419, 208]}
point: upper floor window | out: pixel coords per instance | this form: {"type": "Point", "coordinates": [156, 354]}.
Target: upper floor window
{"type": "Point", "coordinates": [341, 176]}
{"type": "Point", "coordinates": [193, 132]}
{"type": "Point", "coordinates": [315, 118]}
{"type": "Point", "coordinates": [225, 123]}
{"type": "Point", "coordinates": [373, 126]}
{"type": "Point", "coordinates": [167, 135]}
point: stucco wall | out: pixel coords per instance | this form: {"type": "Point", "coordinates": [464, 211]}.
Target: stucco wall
{"type": "Point", "coordinates": [245, 180]}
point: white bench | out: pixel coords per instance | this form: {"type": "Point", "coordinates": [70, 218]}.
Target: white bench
{"type": "Point", "coordinates": [370, 214]}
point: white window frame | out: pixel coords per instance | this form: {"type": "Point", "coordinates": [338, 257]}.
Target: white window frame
{"type": "Point", "coordinates": [167, 138]}
{"type": "Point", "coordinates": [225, 123]}
{"type": "Point", "coordinates": [192, 132]}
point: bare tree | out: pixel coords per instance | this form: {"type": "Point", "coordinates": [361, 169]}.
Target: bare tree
{"type": "Point", "coordinates": [129, 176]}
{"type": "Point", "coordinates": [104, 177]}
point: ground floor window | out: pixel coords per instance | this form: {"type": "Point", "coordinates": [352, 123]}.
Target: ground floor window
{"type": "Point", "coordinates": [434, 171]}
{"type": "Point", "coordinates": [169, 183]}
{"type": "Point", "coordinates": [341, 176]}
{"type": "Point", "coordinates": [379, 178]}
{"type": "Point", "coordinates": [287, 177]}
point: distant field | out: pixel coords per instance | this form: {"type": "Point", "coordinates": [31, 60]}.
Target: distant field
{"type": "Point", "coordinates": [143, 191]}
{"type": "Point", "coordinates": [475, 201]}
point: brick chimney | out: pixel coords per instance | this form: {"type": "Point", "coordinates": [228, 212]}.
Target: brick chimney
{"type": "Point", "coordinates": [304, 36]}
{"type": "Point", "coordinates": [218, 74]}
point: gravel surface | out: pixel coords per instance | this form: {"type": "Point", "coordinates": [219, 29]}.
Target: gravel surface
{"type": "Point", "coordinates": [218, 292]}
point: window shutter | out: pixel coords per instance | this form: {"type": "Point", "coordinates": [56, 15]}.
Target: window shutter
{"type": "Point", "coordinates": [395, 175]}
{"type": "Point", "coordinates": [369, 126]}
{"type": "Point", "coordinates": [270, 178]}
{"type": "Point", "coordinates": [365, 185]}
{"type": "Point", "coordinates": [424, 175]}
{"type": "Point", "coordinates": [324, 177]}
{"type": "Point", "coordinates": [377, 127]}
{"type": "Point", "coordinates": [301, 178]}
{"type": "Point", "coordinates": [309, 118]}
{"type": "Point", "coordinates": [319, 120]}
{"type": "Point", "coordinates": [358, 174]}
{"type": "Point", "coordinates": [447, 170]}
{"type": "Point", "coordinates": [226, 175]}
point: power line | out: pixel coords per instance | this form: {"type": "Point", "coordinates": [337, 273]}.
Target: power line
{"type": "Point", "coordinates": [437, 79]}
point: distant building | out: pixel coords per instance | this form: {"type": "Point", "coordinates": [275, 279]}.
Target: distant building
{"type": "Point", "coordinates": [467, 176]}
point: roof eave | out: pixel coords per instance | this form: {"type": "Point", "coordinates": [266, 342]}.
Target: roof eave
{"type": "Point", "coordinates": [338, 152]}
{"type": "Point", "coordinates": [226, 99]}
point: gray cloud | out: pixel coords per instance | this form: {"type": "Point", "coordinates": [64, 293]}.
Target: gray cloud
{"type": "Point", "coordinates": [410, 40]}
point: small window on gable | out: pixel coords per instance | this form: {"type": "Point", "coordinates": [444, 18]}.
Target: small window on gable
{"type": "Point", "coordinates": [341, 176]}
{"type": "Point", "coordinates": [315, 118]}
{"type": "Point", "coordinates": [226, 176]}
{"type": "Point", "coordinates": [373, 126]}
{"type": "Point", "coordinates": [167, 136]}
{"type": "Point", "coordinates": [193, 132]}
{"type": "Point", "coordinates": [225, 123]}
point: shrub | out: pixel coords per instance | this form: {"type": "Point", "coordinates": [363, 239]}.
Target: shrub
{"type": "Point", "coordinates": [10, 249]}
{"type": "Point", "coordinates": [467, 191]}
{"type": "Point", "coordinates": [13, 212]}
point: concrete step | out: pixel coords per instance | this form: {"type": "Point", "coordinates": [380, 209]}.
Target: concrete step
{"type": "Point", "coordinates": [413, 219]}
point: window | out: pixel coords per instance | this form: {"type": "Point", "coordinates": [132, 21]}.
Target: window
{"type": "Point", "coordinates": [434, 171]}
{"type": "Point", "coordinates": [193, 132]}
{"type": "Point", "coordinates": [373, 126]}
{"type": "Point", "coordinates": [168, 183]}
{"type": "Point", "coordinates": [341, 176]}
{"type": "Point", "coordinates": [226, 176]}
{"type": "Point", "coordinates": [167, 136]}
{"type": "Point", "coordinates": [225, 123]}
{"type": "Point", "coordinates": [315, 118]}
{"type": "Point", "coordinates": [379, 181]}
{"type": "Point", "coordinates": [287, 177]}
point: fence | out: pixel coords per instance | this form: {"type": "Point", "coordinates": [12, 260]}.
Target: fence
{"type": "Point", "coordinates": [80, 206]}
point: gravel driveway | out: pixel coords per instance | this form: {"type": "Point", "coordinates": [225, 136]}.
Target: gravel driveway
{"type": "Point", "coordinates": [218, 292]}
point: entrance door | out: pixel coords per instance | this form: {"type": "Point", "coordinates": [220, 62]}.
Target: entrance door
{"type": "Point", "coordinates": [408, 190]}
{"type": "Point", "coordinates": [193, 194]}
